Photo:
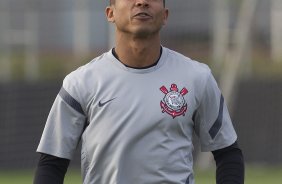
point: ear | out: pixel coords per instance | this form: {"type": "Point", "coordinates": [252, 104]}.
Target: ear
{"type": "Point", "coordinates": [165, 16]}
{"type": "Point", "coordinates": [110, 14]}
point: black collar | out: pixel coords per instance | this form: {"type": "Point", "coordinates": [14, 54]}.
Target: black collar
{"type": "Point", "coordinates": [146, 67]}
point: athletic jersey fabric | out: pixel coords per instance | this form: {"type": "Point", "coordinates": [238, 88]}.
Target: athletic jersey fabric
{"type": "Point", "coordinates": [136, 125]}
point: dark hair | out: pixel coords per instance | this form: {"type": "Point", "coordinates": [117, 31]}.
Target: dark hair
{"type": "Point", "coordinates": [113, 1]}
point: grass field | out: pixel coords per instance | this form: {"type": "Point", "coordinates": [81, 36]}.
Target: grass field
{"type": "Point", "coordinates": [254, 175]}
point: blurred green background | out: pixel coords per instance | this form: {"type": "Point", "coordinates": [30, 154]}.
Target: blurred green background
{"type": "Point", "coordinates": [254, 175]}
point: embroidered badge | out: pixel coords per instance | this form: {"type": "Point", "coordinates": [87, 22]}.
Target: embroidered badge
{"type": "Point", "coordinates": [173, 102]}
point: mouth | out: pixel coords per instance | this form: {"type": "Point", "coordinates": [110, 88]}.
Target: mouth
{"type": "Point", "coordinates": [142, 15]}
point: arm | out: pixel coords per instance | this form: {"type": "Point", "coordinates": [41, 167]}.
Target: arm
{"type": "Point", "coordinates": [229, 165]}
{"type": "Point", "coordinates": [214, 127]}
{"type": "Point", "coordinates": [63, 129]}
{"type": "Point", "coordinates": [51, 169]}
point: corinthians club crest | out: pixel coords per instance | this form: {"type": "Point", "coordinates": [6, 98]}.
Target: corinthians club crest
{"type": "Point", "coordinates": [173, 102]}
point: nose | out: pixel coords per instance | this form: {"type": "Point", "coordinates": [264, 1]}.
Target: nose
{"type": "Point", "coordinates": [142, 3]}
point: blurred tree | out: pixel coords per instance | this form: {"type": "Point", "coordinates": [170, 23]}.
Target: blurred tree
{"type": "Point", "coordinates": [81, 40]}
{"type": "Point", "coordinates": [276, 30]}
{"type": "Point", "coordinates": [5, 54]}
{"type": "Point", "coordinates": [25, 35]}
{"type": "Point", "coordinates": [232, 62]}
{"type": "Point", "coordinates": [220, 31]}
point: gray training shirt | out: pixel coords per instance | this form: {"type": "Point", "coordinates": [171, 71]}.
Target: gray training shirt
{"type": "Point", "coordinates": [136, 125]}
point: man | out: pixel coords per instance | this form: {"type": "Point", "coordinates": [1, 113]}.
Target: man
{"type": "Point", "coordinates": [135, 109]}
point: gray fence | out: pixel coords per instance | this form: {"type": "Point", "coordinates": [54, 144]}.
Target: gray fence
{"type": "Point", "coordinates": [258, 120]}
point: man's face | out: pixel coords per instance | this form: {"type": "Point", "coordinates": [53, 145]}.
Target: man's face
{"type": "Point", "coordinates": [141, 18]}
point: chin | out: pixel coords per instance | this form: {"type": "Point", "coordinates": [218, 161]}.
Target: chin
{"type": "Point", "coordinates": [145, 33]}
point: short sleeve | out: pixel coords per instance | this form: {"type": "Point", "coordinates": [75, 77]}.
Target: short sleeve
{"type": "Point", "coordinates": [213, 124]}
{"type": "Point", "coordinates": [64, 126]}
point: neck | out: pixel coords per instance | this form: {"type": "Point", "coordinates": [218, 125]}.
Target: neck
{"type": "Point", "coordinates": [138, 53]}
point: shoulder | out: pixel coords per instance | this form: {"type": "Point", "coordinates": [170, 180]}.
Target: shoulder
{"type": "Point", "coordinates": [91, 68]}
{"type": "Point", "coordinates": [79, 82]}
{"type": "Point", "coordinates": [187, 64]}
